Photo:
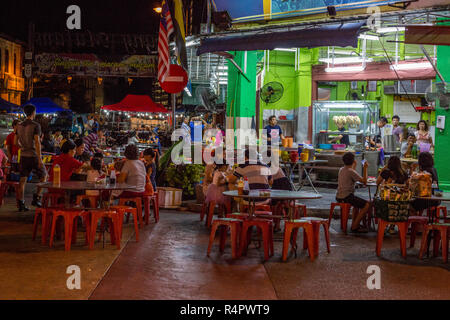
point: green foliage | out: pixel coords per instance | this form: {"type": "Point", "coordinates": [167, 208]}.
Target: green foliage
{"type": "Point", "coordinates": [184, 176]}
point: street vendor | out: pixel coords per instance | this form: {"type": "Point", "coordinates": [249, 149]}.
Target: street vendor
{"type": "Point", "coordinates": [342, 138]}
{"type": "Point", "coordinates": [273, 126]}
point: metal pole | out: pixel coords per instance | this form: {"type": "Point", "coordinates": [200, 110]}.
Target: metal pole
{"type": "Point", "coordinates": [174, 100]}
{"type": "Point", "coordinates": [208, 16]}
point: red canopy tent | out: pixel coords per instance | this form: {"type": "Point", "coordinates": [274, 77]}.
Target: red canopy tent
{"type": "Point", "coordinates": [136, 103]}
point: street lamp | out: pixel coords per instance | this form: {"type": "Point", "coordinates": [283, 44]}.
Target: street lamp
{"type": "Point", "coordinates": [157, 10]}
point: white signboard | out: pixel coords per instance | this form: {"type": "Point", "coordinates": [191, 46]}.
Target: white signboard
{"type": "Point", "coordinates": [406, 112]}
{"type": "Point", "coordinates": [28, 70]}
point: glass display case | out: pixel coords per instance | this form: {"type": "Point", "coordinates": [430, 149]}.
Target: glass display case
{"type": "Point", "coordinates": [354, 120]}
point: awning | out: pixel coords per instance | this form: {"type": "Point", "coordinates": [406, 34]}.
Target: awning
{"type": "Point", "coordinates": [432, 35]}
{"type": "Point", "coordinates": [45, 105]}
{"type": "Point", "coordinates": [9, 107]}
{"type": "Point", "coordinates": [341, 35]}
{"type": "Point", "coordinates": [136, 103]}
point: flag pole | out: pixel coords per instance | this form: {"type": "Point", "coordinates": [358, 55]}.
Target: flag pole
{"type": "Point", "coordinates": [174, 100]}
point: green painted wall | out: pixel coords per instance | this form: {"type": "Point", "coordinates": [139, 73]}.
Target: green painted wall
{"type": "Point", "coordinates": [442, 156]}
{"type": "Point", "coordinates": [241, 94]}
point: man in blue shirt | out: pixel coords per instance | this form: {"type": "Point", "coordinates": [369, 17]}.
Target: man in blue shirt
{"type": "Point", "coordinates": [273, 126]}
{"type": "Point", "coordinates": [196, 124]}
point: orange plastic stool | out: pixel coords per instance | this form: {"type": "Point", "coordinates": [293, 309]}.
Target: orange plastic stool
{"type": "Point", "coordinates": [52, 199]}
{"type": "Point", "coordinates": [304, 210]}
{"type": "Point", "coordinates": [317, 222]}
{"type": "Point", "coordinates": [4, 188]}
{"type": "Point", "coordinates": [444, 212]}
{"type": "Point", "coordinates": [289, 227]}
{"type": "Point", "coordinates": [224, 224]}
{"type": "Point", "coordinates": [237, 215]}
{"type": "Point", "coordinates": [152, 200]}
{"type": "Point", "coordinates": [402, 230]}
{"type": "Point", "coordinates": [70, 226]}
{"type": "Point", "coordinates": [209, 210]}
{"type": "Point", "coordinates": [414, 222]}
{"type": "Point", "coordinates": [45, 215]}
{"type": "Point", "coordinates": [345, 213]}
{"type": "Point", "coordinates": [442, 230]}
{"type": "Point", "coordinates": [121, 210]}
{"type": "Point", "coordinates": [267, 234]}
{"type": "Point", "coordinates": [138, 202]}
{"type": "Point", "coordinates": [113, 217]}
{"type": "Point", "coordinates": [93, 200]}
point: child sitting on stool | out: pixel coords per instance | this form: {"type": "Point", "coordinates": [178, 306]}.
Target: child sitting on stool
{"type": "Point", "coordinates": [346, 190]}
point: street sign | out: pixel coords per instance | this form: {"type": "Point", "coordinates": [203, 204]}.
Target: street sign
{"type": "Point", "coordinates": [176, 80]}
{"type": "Point", "coordinates": [28, 70]}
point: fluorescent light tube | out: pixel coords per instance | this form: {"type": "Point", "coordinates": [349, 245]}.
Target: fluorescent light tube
{"type": "Point", "coordinates": [345, 69]}
{"type": "Point", "coordinates": [344, 60]}
{"type": "Point", "coordinates": [411, 66]}
{"type": "Point", "coordinates": [390, 29]}
{"type": "Point", "coordinates": [284, 49]}
{"type": "Point", "coordinates": [368, 37]}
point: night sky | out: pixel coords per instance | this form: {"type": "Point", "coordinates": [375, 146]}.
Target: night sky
{"type": "Point", "coordinates": [113, 16]}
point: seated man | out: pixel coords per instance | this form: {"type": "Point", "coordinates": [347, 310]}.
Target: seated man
{"type": "Point", "coordinates": [346, 189]}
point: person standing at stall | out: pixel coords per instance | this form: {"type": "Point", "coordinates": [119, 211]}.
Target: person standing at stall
{"type": "Point", "coordinates": [272, 128]}
{"type": "Point", "coordinates": [397, 130]}
{"type": "Point", "coordinates": [422, 134]}
{"type": "Point", "coordinates": [28, 138]}
{"type": "Point", "coordinates": [342, 138]}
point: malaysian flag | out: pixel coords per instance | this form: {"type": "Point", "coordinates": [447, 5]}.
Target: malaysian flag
{"type": "Point", "coordinates": [165, 30]}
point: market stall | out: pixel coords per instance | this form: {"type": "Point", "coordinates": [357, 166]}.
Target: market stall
{"type": "Point", "coordinates": [343, 126]}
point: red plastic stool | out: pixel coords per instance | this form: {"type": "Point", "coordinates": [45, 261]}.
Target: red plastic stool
{"type": "Point", "coordinates": [70, 226]}
{"type": "Point", "coordinates": [4, 188]}
{"type": "Point", "coordinates": [402, 230]}
{"type": "Point", "coordinates": [289, 227]}
{"type": "Point", "coordinates": [266, 228]}
{"type": "Point", "coordinates": [122, 210]}
{"type": "Point", "coordinates": [45, 215]}
{"type": "Point", "coordinates": [237, 215]}
{"type": "Point", "coordinates": [442, 230]}
{"type": "Point", "coordinates": [317, 222]}
{"type": "Point", "coordinates": [444, 212]}
{"type": "Point", "coordinates": [53, 200]}
{"type": "Point", "coordinates": [113, 217]}
{"type": "Point", "coordinates": [414, 222]}
{"type": "Point", "coordinates": [138, 202]}
{"type": "Point", "coordinates": [304, 210]}
{"type": "Point", "coordinates": [209, 210]}
{"type": "Point", "coordinates": [224, 223]}
{"type": "Point", "coordinates": [93, 200]}
{"type": "Point", "coordinates": [345, 213]}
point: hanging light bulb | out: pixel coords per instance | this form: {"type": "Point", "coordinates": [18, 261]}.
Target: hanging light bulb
{"type": "Point", "coordinates": [69, 79]}
{"type": "Point", "coordinates": [99, 80]}
{"type": "Point", "coordinates": [130, 80]}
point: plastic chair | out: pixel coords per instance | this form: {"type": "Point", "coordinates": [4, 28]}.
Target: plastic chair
{"type": "Point", "coordinates": [345, 213]}
{"type": "Point", "coordinates": [70, 226]}
{"type": "Point", "coordinates": [414, 222]}
{"type": "Point", "coordinates": [441, 232]}
{"type": "Point", "coordinates": [50, 199]}
{"type": "Point", "coordinates": [267, 234]}
{"type": "Point", "coordinates": [121, 210]}
{"type": "Point", "coordinates": [93, 200]}
{"type": "Point", "coordinates": [138, 202]}
{"type": "Point", "coordinates": [402, 230]}
{"type": "Point", "coordinates": [289, 227]}
{"type": "Point", "coordinates": [113, 217]}
{"type": "Point", "coordinates": [45, 215]}
{"type": "Point", "coordinates": [224, 223]}
{"type": "Point", "coordinates": [317, 222]}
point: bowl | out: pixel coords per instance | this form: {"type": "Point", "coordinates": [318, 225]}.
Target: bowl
{"type": "Point", "coordinates": [438, 193]}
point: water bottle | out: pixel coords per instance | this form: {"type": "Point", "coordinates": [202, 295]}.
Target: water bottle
{"type": "Point", "coordinates": [56, 175]}
{"type": "Point", "coordinates": [112, 178]}
{"type": "Point", "coordinates": [434, 187]}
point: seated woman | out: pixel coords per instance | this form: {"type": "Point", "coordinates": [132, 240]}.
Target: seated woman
{"type": "Point", "coordinates": [218, 186]}
{"type": "Point", "coordinates": [426, 164]}
{"type": "Point", "coordinates": [393, 173]}
{"type": "Point", "coordinates": [132, 173]}
{"type": "Point", "coordinates": [150, 160]}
